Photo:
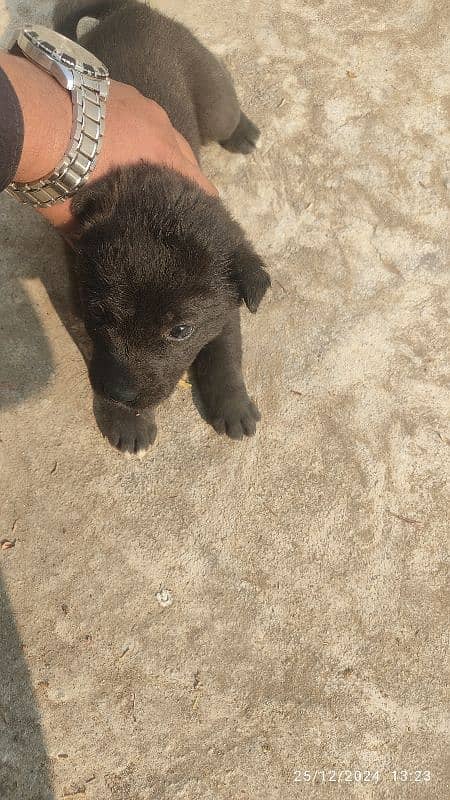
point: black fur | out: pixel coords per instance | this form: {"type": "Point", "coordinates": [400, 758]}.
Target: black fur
{"type": "Point", "coordinates": [154, 251]}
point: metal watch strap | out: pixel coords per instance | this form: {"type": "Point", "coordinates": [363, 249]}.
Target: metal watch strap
{"type": "Point", "coordinates": [89, 109]}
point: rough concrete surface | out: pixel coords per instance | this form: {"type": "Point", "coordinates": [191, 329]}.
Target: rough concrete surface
{"type": "Point", "coordinates": [307, 565]}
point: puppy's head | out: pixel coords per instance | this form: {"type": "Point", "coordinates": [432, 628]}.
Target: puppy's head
{"type": "Point", "coordinates": [160, 267]}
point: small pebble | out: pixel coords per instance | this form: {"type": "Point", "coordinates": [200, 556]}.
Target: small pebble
{"type": "Point", "coordinates": [164, 598]}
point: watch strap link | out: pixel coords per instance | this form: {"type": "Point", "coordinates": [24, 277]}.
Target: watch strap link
{"type": "Point", "coordinates": [89, 111]}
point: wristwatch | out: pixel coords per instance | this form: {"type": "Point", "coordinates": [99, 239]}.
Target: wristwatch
{"type": "Point", "coordinates": [87, 79]}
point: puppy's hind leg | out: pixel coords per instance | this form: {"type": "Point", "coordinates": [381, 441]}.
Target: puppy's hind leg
{"type": "Point", "coordinates": [244, 138]}
{"type": "Point", "coordinates": [219, 115]}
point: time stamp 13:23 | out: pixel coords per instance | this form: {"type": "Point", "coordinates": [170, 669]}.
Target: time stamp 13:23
{"type": "Point", "coordinates": [361, 776]}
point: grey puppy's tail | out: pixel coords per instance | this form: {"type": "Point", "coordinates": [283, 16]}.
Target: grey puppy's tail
{"type": "Point", "coordinates": [68, 13]}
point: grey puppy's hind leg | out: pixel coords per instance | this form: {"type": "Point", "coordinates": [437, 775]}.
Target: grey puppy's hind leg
{"type": "Point", "coordinates": [244, 137]}
{"type": "Point", "coordinates": [219, 115]}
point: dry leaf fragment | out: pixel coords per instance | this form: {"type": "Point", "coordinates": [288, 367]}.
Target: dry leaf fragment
{"type": "Point", "coordinates": [184, 384]}
{"type": "Point", "coordinates": [7, 544]}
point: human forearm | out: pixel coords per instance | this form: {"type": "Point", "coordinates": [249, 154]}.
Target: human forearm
{"type": "Point", "coordinates": [47, 115]}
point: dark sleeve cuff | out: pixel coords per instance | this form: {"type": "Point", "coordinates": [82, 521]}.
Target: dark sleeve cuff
{"type": "Point", "coordinates": [11, 132]}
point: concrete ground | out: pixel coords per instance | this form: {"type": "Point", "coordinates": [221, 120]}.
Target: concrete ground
{"type": "Point", "coordinates": [306, 566]}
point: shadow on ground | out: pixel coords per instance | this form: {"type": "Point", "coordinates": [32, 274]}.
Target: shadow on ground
{"type": "Point", "coordinates": [31, 267]}
{"type": "Point", "coordinates": [25, 772]}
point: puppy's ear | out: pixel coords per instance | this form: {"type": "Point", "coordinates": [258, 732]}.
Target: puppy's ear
{"type": "Point", "coordinates": [94, 204]}
{"type": "Point", "coordinates": [250, 276]}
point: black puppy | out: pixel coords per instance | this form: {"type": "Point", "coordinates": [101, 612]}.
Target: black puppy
{"type": "Point", "coordinates": [162, 267]}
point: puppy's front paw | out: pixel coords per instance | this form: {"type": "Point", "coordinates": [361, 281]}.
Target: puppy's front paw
{"type": "Point", "coordinates": [236, 415]}
{"type": "Point", "coordinates": [129, 430]}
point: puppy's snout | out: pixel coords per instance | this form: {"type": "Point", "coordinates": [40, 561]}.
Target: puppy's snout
{"type": "Point", "coordinates": [120, 391]}
{"type": "Point", "coordinates": [112, 378]}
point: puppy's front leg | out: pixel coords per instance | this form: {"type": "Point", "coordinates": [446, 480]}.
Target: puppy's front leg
{"type": "Point", "coordinates": [130, 430]}
{"type": "Point", "coordinates": [218, 375]}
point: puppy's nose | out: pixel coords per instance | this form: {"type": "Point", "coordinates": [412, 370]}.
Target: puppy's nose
{"type": "Point", "coordinates": [120, 392]}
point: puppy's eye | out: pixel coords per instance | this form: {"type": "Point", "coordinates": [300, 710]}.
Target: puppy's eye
{"type": "Point", "coordinates": [180, 332]}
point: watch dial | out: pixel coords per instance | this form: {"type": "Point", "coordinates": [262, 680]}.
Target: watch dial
{"type": "Point", "coordinates": [64, 50]}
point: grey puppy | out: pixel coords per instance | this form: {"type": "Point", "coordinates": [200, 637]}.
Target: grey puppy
{"type": "Point", "coordinates": [161, 267]}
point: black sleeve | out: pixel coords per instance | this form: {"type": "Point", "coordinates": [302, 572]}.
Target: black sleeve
{"type": "Point", "coordinates": [11, 132]}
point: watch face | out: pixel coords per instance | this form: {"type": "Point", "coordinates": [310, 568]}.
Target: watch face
{"type": "Point", "coordinates": [64, 50]}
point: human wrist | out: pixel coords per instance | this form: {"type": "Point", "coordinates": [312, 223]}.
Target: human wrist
{"type": "Point", "coordinates": [47, 116]}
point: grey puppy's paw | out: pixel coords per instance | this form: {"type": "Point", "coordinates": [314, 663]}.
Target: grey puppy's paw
{"type": "Point", "coordinates": [244, 139]}
{"type": "Point", "coordinates": [129, 430]}
{"type": "Point", "coordinates": [236, 415]}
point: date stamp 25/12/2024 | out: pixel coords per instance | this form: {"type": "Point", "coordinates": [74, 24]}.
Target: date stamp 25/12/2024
{"type": "Point", "coordinates": [364, 776]}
